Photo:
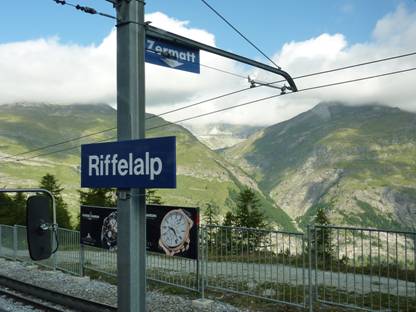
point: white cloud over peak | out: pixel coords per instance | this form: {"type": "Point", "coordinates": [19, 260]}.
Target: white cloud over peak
{"type": "Point", "coordinates": [47, 70]}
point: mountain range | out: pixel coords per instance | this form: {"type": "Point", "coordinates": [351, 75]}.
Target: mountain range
{"type": "Point", "coordinates": [357, 162]}
{"type": "Point", "coordinates": [202, 174]}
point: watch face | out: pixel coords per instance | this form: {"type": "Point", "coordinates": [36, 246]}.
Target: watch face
{"type": "Point", "coordinates": [174, 228]}
{"type": "Point", "coordinates": [109, 230]}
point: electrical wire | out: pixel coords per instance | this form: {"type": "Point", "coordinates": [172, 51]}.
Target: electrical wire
{"type": "Point", "coordinates": [243, 36]}
{"type": "Point", "coordinates": [282, 94]}
{"type": "Point", "coordinates": [224, 71]}
{"type": "Point", "coordinates": [62, 150]}
{"type": "Point", "coordinates": [349, 66]}
{"type": "Point", "coordinates": [113, 128]}
{"type": "Point", "coordinates": [247, 103]}
{"type": "Point", "coordinates": [90, 10]}
{"type": "Point", "coordinates": [217, 98]}
{"type": "Point", "coordinates": [203, 65]}
{"type": "Point", "coordinates": [84, 9]}
{"type": "Point", "coordinates": [59, 143]}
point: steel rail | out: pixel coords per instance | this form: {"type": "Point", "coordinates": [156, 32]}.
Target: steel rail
{"type": "Point", "coordinates": [59, 298]}
{"type": "Point", "coordinates": [28, 301]}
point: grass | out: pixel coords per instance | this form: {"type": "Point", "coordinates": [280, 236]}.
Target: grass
{"type": "Point", "coordinates": [378, 268]}
{"type": "Point", "coordinates": [373, 300]}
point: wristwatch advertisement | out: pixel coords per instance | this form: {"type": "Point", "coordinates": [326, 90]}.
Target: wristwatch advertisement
{"type": "Point", "coordinates": [170, 230]}
{"type": "Point", "coordinates": [175, 232]}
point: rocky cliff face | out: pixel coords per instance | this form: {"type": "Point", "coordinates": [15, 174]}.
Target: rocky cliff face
{"type": "Point", "coordinates": [357, 162]}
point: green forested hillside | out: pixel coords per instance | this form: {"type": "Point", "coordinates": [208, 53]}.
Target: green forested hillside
{"type": "Point", "coordinates": [358, 162]}
{"type": "Point", "coordinates": [203, 175]}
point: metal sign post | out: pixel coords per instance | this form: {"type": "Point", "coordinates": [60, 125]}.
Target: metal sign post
{"type": "Point", "coordinates": [165, 49]}
{"type": "Point", "coordinates": [131, 255]}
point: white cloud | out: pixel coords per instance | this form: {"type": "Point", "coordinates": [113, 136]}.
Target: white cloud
{"type": "Point", "coordinates": [47, 70]}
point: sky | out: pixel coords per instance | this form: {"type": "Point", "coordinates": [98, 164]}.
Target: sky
{"type": "Point", "coordinates": [56, 54]}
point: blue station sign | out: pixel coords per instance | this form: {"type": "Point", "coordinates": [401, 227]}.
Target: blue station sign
{"type": "Point", "coordinates": [165, 53]}
{"type": "Point", "coordinates": [147, 163]}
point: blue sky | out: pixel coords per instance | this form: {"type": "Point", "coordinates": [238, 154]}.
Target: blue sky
{"type": "Point", "coordinates": [56, 54]}
{"type": "Point", "coordinates": [268, 23]}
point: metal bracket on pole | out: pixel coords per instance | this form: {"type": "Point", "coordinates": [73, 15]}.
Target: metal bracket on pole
{"type": "Point", "coordinates": [168, 36]}
{"type": "Point", "coordinates": [255, 83]}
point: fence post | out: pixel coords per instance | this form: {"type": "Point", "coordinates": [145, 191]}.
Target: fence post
{"type": "Point", "coordinates": [1, 241]}
{"type": "Point", "coordinates": [203, 262]}
{"type": "Point", "coordinates": [15, 243]}
{"type": "Point", "coordinates": [82, 259]}
{"type": "Point", "coordinates": [310, 286]}
{"type": "Point", "coordinates": [54, 245]}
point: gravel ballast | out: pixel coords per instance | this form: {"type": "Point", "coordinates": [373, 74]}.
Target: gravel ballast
{"type": "Point", "coordinates": [9, 305]}
{"type": "Point", "coordinates": [93, 289]}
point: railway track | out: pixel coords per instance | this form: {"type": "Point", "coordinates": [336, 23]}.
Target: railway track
{"type": "Point", "coordinates": [26, 293]}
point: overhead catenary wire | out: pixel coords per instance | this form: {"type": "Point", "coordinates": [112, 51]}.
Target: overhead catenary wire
{"type": "Point", "coordinates": [239, 32]}
{"type": "Point", "coordinates": [204, 65]}
{"type": "Point", "coordinates": [93, 11]}
{"type": "Point", "coordinates": [113, 128]}
{"type": "Point", "coordinates": [328, 71]}
{"type": "Point", "coordinates": [85, 9]}
{"type": "Point", "coordinates": [244, 104]}
{"type": "Point", "coordinates": [58, 143]}
{"type": "Point", "coordinates": [282, 94]}
{"type": "Point", "coordinates": [217, 98]}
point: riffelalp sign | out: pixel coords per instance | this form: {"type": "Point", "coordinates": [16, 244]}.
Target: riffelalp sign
{"type": "Point", "coordinates": [164, 53]}
{"type": "Point", "coordinates": [148, 163]}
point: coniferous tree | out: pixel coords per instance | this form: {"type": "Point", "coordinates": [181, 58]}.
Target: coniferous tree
{"type": "Point", "coordinates": [211, 219]}
{"type": "Point", "coordinates": [102, 197]}
{"type": "Point", "coordinates": [18, 212]}
{"type": "Point", "coordinates": [6, 206]}
{"type": "Point", "coordinates": [211, 213]}
{"type": "Point", "coordinates": [50, 183]}
{"type": "Point", "coordinates": [229, 219]}
{"type": "Point", "coordinates": [322, 240]}
{"type": "Point", "coordinates": [248, 212]}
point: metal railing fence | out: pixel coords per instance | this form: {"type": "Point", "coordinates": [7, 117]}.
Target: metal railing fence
{"type": "Point", "coordinates": [366, 269]}
{"type": "Point", "coordinates": [359, 268]}
{"type": "Point", "coordinates": [264, 264]}
{"type": "Point", "coordinates": [7, 246]}
{"type": "Point", "coordinates": [68, 257]}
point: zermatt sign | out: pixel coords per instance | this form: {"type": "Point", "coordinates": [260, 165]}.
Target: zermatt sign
{"type": "Point", "coordinates": [165, 53]}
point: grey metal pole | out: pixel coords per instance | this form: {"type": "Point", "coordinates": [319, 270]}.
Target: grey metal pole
{"type": "Point", "coordinates": [131, 255]}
